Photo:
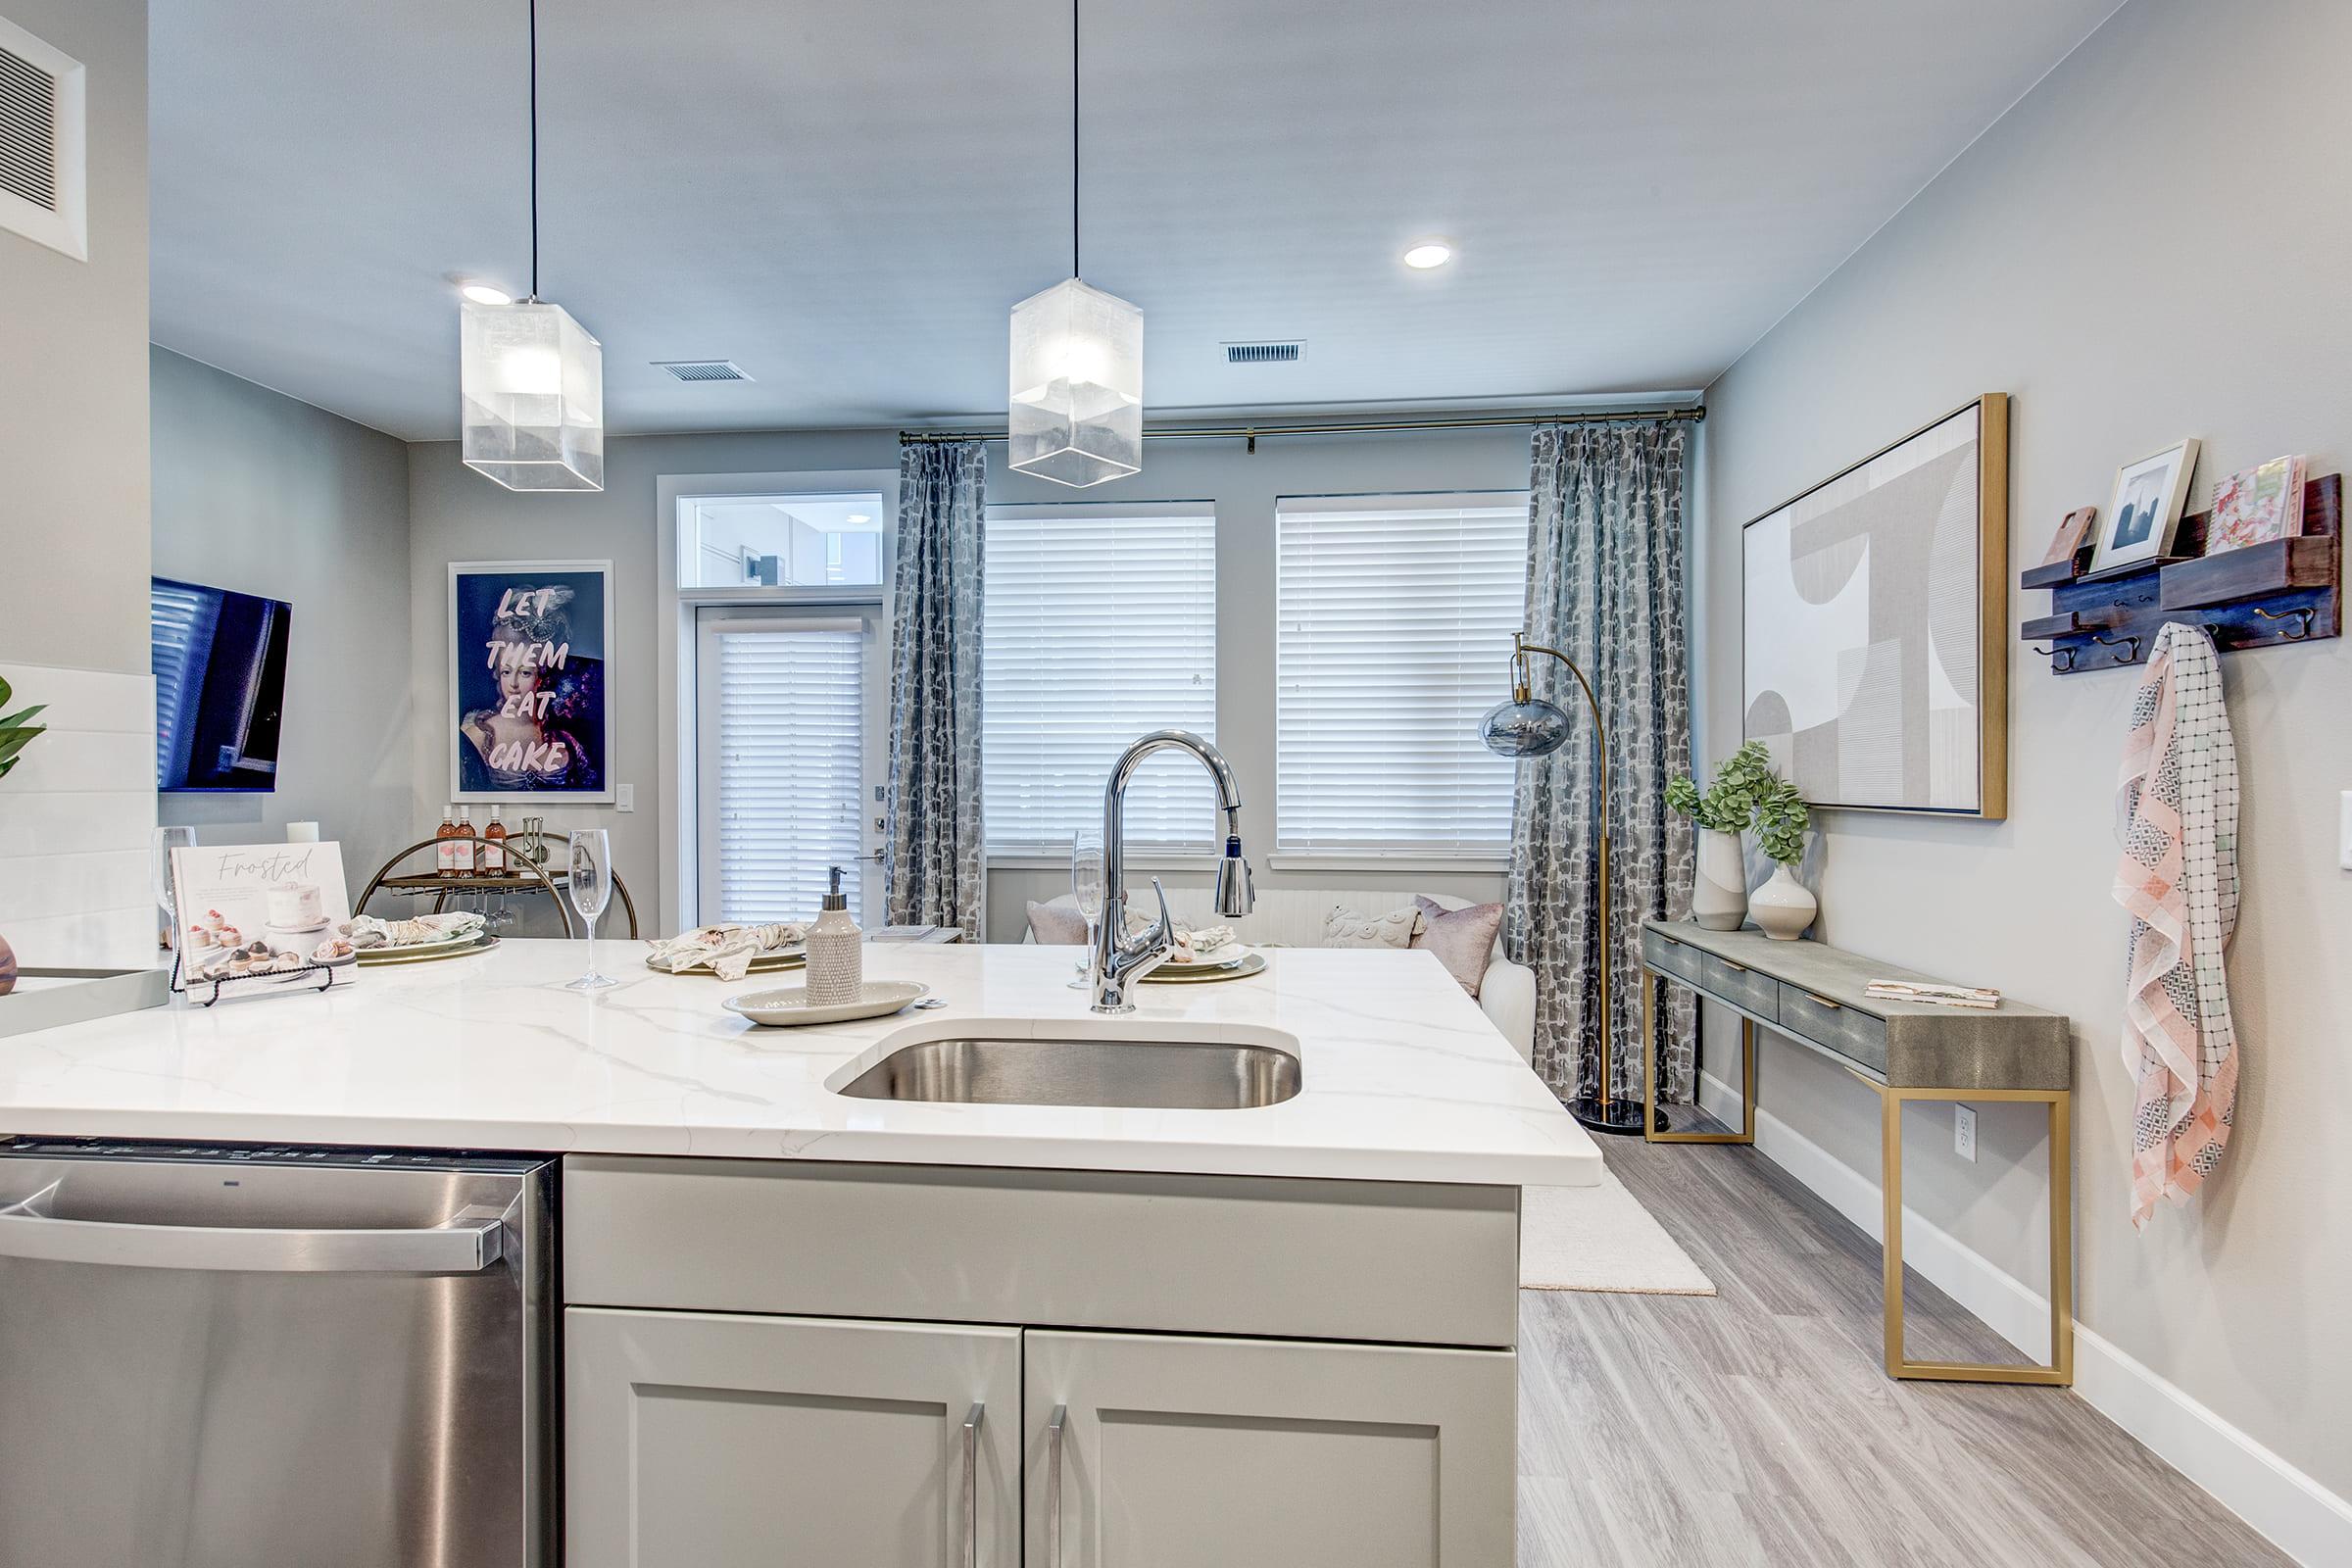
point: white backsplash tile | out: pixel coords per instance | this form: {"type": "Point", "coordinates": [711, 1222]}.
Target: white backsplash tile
{"type": "Point", "coordinates": [76, 818]}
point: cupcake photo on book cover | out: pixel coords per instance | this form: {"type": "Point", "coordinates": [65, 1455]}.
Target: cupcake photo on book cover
{"type": "Point", "coordinates": [253, 911]}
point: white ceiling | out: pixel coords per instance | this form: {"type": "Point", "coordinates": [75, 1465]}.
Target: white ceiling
{"type": "Point", "coordinates": [845, 196]}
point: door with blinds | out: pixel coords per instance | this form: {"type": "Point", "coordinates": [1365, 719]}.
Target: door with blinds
{"type": "Point", "coordinates": [791, 710]}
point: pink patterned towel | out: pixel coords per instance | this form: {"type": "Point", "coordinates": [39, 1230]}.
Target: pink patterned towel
{"type": "Point", "coordinates": [2176, 814]}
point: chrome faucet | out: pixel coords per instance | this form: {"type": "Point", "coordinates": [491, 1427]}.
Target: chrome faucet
{"type": "Point", "coordinates": [1118, 961]}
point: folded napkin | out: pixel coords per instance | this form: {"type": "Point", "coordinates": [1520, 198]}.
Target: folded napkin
{"type": "Point", "coordinates": [727, 949]}
{"type": "Point", "coordinates": [366, 931]}
{"type": "Point", "coordinates": [1928, 991]}
{"type": "Point", "coordinates": [1204, 946]}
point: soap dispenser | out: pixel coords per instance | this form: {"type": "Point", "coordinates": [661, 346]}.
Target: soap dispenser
{"type": "Point", "coordinates": [836, 957]}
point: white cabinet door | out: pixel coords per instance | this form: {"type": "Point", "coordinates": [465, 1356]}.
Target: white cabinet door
{"type": "Point", "coordinates": [727, 1442]}
{"type": "Point", "coordinates": [1252, 1453]}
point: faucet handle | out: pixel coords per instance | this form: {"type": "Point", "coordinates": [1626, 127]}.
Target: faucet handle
{"type": "Point", "coordinates": [1165, 930]}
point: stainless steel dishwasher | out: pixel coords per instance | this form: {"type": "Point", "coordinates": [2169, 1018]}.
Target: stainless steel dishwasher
{"type": "Point", "coordinates": [240, 1358]}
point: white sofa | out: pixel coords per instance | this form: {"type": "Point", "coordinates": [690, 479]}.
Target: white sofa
{"type": "Point", "coordinates": [1292, 917]}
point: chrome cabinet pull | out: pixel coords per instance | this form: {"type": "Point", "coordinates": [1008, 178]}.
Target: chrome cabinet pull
{"type": "Point", "coordinates": [1054, 1428]}
{"type": "Point", "coordinates": [971, 1484]}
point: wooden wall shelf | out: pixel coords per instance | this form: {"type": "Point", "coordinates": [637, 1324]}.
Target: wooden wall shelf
{"type": "Point", "coordinates": [2284, 591]}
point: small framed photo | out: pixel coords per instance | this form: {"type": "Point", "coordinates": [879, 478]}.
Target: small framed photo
{"type": "Point", "coordinates": [2069, 540]}
{"type": "Point", "coordinates": [2144, 519]}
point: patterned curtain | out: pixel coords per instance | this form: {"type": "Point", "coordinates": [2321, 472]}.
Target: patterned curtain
{"type": "Point", "coordinates": [933, 870]}
{"type": "Point", "coordinates": [1606, 587]}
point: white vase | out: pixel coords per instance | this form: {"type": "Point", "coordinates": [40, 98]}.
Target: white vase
{"type": "Point", "coordinates": [1719, 891]}
{"type": "Point", "coordinates": [1783, 907]}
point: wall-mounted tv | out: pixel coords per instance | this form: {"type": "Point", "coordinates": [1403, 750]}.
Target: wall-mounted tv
{"type": "Point", "coordinates": [219, 686]}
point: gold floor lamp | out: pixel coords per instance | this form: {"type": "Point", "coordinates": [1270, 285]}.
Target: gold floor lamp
{"type": "Point", "coordinates": [1528, 726]}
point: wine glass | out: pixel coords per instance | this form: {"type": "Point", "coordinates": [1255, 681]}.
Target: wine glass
{"type": "Point", "coordinates": [1086, 886]}
{"type": "Point", "coordinates": [590, 887]}
{"type": "Point", "coordinates": [167, 839]}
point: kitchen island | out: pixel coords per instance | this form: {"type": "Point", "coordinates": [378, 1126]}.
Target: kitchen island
{"type": "Point", "coordinates": [799, 1325]}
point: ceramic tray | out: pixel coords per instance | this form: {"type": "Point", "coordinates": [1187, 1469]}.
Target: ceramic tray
{"type": "Point", "coordinates": [782, 1009]}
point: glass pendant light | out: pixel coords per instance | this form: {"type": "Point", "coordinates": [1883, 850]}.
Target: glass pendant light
{"type": "Point", "coordinates": [531, 379]}
{"type": "Point", "coordinates": [1075, 408]}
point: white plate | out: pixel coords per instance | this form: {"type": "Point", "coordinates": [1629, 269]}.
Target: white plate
{"type": "Point", "coordinates": [417, 949]}
{"type": "Point", "coordinates": [1239, 956]}
{"type": "Point", "coordinates": [791, 957]}
{"type": "Point", "coordinates": [782, 1009]}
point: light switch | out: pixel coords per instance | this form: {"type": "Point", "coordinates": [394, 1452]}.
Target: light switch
{"type": "Point", "coordinates": [624, 796]}
{"type": "Point", "coordinates": [2343, 837]}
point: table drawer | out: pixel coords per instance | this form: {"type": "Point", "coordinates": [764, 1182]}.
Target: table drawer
{"type": "Point", "coordinates": [1743, 987]}
{"type": "Point", "coordinates": [1669, 956]}
{"type": "Point", "coordinates": [1857, 1036]}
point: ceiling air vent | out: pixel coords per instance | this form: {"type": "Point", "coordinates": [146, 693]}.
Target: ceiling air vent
{"type": "Point", "coordinates": [41, 142]}
{"type": "Point", "coordinates": [703, 369]}
{"type": "Point", "coordinates": [1263, 353]}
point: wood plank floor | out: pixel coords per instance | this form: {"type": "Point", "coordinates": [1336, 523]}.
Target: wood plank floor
{"type": "Point", "coordinates": [1755, 1427]}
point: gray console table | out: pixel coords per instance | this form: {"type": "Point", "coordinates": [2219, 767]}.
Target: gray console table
{"type": "Point", "coordinates": [1905, 1050]}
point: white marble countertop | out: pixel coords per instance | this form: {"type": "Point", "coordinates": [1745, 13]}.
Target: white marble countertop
{"type": "Point", "coordinates": [1403, 1078]}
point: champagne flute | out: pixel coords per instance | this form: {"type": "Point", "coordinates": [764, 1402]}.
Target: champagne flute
{"type": "Point", "coordinates": [1086, 886]}
{"type": "Point", "coordinates": [167, 894]}
{"type": "Point", "coordinates": [590, 887]}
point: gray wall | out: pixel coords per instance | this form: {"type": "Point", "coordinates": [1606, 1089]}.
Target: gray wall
{"type": "Point", "coordinates": [74, 393]}
{"type": "Point", "coordinates": [265, 495]}
{"type": "Point", "coordinates": [457, 516]}
{"type": "Point", "coordinates": [2151, 245]}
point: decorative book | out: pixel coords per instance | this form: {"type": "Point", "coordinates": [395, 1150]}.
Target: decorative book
{"type": "Point", "coordinates": [2256, 506]}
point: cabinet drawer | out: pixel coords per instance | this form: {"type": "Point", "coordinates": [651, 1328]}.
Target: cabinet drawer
{"type": "Point", "coordinates": [1677, 959]}
{"type": "Point", "coordinates": [1392, 1262]}
{"type": "Point", "coordinates": [1739, 984]}
{"type": "Point", "coordinates": [1857, 1036]}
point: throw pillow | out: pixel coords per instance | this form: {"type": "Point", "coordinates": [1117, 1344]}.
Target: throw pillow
{"type": "Point", "coordinates": [1462, 939]}
{"type": "Point", "coordinates": [1343, 927]}
{"type": "Point", "coordinates": [1057, 923]}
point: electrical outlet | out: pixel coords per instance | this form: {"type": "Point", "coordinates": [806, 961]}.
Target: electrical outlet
{"type": "Point", "coordinates": [1963, 1131]}
{"type": "Point", "coordinates": [624, 796]}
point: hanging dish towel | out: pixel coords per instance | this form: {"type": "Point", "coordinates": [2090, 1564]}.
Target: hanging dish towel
{"type": "Point", "coordinates": [2176, 814]}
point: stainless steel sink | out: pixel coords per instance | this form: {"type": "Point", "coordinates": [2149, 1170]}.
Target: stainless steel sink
{"type": "Point", "coordinates": [1144, 1074]}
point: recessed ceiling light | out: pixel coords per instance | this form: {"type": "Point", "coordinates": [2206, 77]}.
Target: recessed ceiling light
{"type": "Point", "coordinates": [860, 517]}
{"type": "Point", "coordinates": [484, 294]}
{"type": "Point", "coordinates": [1428, 253]}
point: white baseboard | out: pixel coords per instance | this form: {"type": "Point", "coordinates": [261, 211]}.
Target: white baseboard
{"type": "Point", "coordinates": [2301, 1517]}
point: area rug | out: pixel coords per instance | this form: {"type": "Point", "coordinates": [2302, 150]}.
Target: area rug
{"type": "Point", "coordinates": [1599, 1238]}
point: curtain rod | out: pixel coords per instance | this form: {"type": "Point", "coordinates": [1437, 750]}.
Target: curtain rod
{"type": "Point", "coordinates": [1251, 432]}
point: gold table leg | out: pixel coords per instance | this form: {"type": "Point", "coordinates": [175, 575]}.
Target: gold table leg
{"type": "Point", "coordinates": [1649, 1076]}
{"type": "Point", "coordinates": [2060, 1371]}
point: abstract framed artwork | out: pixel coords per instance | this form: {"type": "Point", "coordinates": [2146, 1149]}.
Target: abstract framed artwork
{"type": "Point", "coordinates": [1875, 647]}
{"type": "Point", "coordinates": [530, 700]}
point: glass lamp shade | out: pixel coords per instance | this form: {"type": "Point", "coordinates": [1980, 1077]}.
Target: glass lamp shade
{"type": "Point", "coordinates": [1533, 728]}
{"type": "Point", "coordinates": [1076, 404]}
{"type": "Point", "coordinates": [533, 383]}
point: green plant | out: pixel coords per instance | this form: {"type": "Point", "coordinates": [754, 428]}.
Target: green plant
{"type": "Point", "coordinates": [1780, 818]}
{"type": "Point", "coordinates": [15, 733]}
{"type": "Point", "coordinates": [1740, 787]}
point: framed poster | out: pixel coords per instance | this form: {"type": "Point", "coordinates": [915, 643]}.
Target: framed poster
{"type": "Point", "coordinates": [530, 703]}
{"type": "Point", "coordinates": [1875, 647]}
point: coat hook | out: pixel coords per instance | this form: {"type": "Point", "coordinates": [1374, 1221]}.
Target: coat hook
{"type": "Point", "coordinates": [2302, 619]}
{"type": "Point", "coordinates": [2061, 660]}
{"type": "Point", "coordinates": [2127, 654]}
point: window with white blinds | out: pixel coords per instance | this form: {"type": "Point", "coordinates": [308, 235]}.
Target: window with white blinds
{"type": "Point", "coordinates": [1100, 624]}
{"type": "Point", "coordinates": [789, 715]}
{"type": "Point", "coordinates": [1393, 622]}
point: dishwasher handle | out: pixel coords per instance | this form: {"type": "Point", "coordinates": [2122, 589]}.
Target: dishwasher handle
{"type": "Point", "coordinates": [467, 1245]}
